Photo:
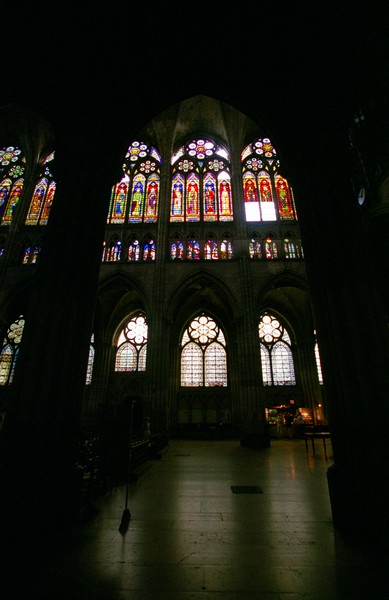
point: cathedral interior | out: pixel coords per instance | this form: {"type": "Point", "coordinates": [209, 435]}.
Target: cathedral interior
{"type": "Point", "coordinates": [193, 234]}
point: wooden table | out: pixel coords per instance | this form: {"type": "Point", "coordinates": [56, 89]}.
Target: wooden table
{"type": "Point", "coordinates": [317, 435]}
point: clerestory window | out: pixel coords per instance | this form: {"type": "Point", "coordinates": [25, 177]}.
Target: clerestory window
{"type": "Point", "coordinates": [135, 198]}
{"type": "Point", "coordinates": [267, 195]}
{"type": "Point", "coordinates": [201, 183]}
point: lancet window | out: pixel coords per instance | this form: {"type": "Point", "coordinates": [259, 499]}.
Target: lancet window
{"type": "Point", "coordinates": [91, 359]}
{"type": "Point", "coordinates": [11, 182]}
{"type": "Point", "coordinates": [201, 183]}
{"type": "Point", "coordinates": [203, 354]}
{"type": "Point", "coordinates": [275, 352]}
{"type": "Point", "coordinates": [133, 253]}
{"type": "Point", "coordinates": [293, 249]}
{"type": "Point", "coordinates": [318, 364]}
{"type": "Point", "coordinates": [42, 197]}
{"type": "Point", "coordinates": [10, 350]}
{"type": "Point", "coordinates": [135, 198]}
{"type": "Point", "coordinates": [113, 250]}
{"type": "Point", "coordinates": [255, 249]}
{"type": "Point", "coordinates": [210, 249]}
{"type": "Point", "coordinates": [31, 253]}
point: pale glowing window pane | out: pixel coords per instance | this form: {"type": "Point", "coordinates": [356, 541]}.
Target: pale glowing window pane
{"type": "Point", "coordinates": [89, 369]}
{"type": "Point", "coordinates": [142, 359]}
{"type": "Point", "coordinates": [252, 211]}
{"type": "Point", "coordinates": [268, 211]}
{"type": "Point", "coordinates": [215, 366]}
{"type": "Point", "coordinates": [282, 365]}
{"type": "Point", "coordinates": [203, 356]}
{"type": "Point", "coordinates": [192, 365]}
{"type": "Point", "coordinates": [126, 358]}
{"type": "Point", "coordinates": [266, 368]}
{"type": "Point", "coordinates": [132, 345]}
{"type": "Point", "coordinates": [276, 353]}
{"type": "Point", "coordinates": [318, 364]}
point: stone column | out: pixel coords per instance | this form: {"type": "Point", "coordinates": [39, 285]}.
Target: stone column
{"type": "Point", "coordinates": [40, 436]}
{"type": "Point", "coordinates": [353, 339]}
{"type": "Point", "coordinates": [156, 399]}
{"type": "Point", "coordinates": [253, 423]}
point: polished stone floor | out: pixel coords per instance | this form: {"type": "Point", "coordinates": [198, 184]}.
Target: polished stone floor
{"type": "Point", "coordinates": [191, 538]}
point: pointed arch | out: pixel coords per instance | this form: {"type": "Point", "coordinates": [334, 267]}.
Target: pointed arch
{"type": "Point", "coordinates": [201, 182]}
{"type": "Point", "coordinates": [131, 344]}
{"type": "Point", "coordinates": [275, 351]}
{"type": "Point", "coordinates": [203, 360]}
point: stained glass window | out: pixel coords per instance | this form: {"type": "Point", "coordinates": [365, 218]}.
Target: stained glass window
{"type": "Point", "coordinates": [293, 249]}
{"type": "Point", "coordinates": [267, 195]}
{"type": "Point", "coordinates": [42, 197]}
{"type": "Point", "coordinates": [9, 198]}
{"type": "Point", "coordinates": [11, 182]}
{"type": "Point", "coordinates": [193, 249]}
{"type": "Point", "coordinates": [112, 252]}
{"type": "Point", "coordinates": [271, 250]}
{"type": "Point", "coordinates": [119, 201]}
{"type": "Point", "coordinates": [226, 250]}
{"type": "Point", "coordinates": [203, 354]}
{"type": "Point", "coordinates": [10, 349]}
{"type": "Point", "coordinates": [201, 183]}
{"type": "Point", "coordinates": [275, 352]}
{"type": "Point", "coordinates": [318, 364]}
{"type": "Point", "coordinates": [149, 250]}
{"type": "Point", "coordinates": [91, 359]}
{"type": "Point", "coordinates": [255, 249]}
{"type": "Point", "coordinates": [211, 251]}
{"type": "Point", "coordinates": [285, 205]}
{"type": "Point", "coordinates": [177, 250]}
{"type": "Point", "coordinates": [208, 250]}
{"type": "Point", "coordinates": [132, 345]}
{"type": "Point", "coordinates": [31, 253]}
{"type": "Point", "coordinates": [134, 199]}
{"type": "Point", "coordinates": [133, 250]}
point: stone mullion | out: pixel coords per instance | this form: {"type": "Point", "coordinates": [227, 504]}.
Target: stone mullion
{"type": "Point", "coordinates": [240, 241]}
{"type": "Point", "coordinates": [157, 359]}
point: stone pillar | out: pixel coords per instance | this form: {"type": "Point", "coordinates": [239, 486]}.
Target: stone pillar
{"type": "Point", "coordinates": [254, 431]}
{"type": "Point", "coordinates": [353, 339]}
{"type": "Point", "coordinates": [40, 436]}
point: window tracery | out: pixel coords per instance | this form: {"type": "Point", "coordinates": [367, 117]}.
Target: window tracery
{"type": "Point", "coordinates": [275, 352]}
{"type": "Point", "coordinates": [203, 354]}
{"type": "Point", "coordinates": [31, 252]}
{"type": "Point", "coordinates": [201, 183]}
{"type": "Point", "coordinates": [135, 198]}
{"type": "Point", "coordinates": [267, 195]}
{"type": "Point", "coordinates": [132, 345]}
